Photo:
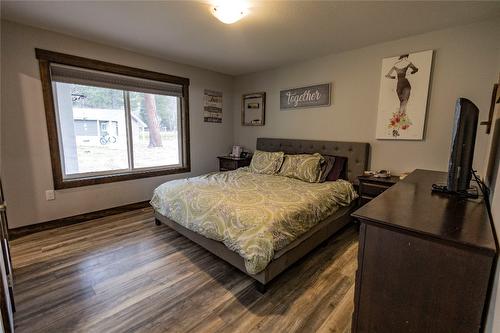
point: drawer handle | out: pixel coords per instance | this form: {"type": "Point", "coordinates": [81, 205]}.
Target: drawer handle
{"type": "Point", "coordinates": [375, 185]}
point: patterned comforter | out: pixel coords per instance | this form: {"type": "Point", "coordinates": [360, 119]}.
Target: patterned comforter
{"type": "Point", "coordinates": [253, 214]}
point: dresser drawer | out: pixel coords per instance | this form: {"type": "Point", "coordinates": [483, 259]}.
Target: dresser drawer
{"type": "Point", "coordinates": [372, 190]}
{"type": "Point", "coordinates": [228, 164]}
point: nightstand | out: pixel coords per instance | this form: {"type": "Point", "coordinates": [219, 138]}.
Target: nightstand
{"type": "Point", "coordinates": [370, 187]}
{"type": "Point", "coordinates": [227, 163]}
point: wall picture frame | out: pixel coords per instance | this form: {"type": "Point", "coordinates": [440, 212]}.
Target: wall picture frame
{"type": "Point", "coordinates": [212, 106]}
{"type": "Point", "coordinates": [253, 109]}
{"type": "Point", "coordinates": [403, 96]}
{"type": "Point", "coordinates": [318, 95]}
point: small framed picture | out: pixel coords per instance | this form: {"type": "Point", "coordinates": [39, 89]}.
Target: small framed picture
{"type": "Point", "coordinates": [253, 109]}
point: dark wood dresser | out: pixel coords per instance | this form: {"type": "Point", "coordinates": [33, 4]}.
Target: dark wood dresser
{"type": "Point", "coordinates": [227, 163]}
{"type": "Point", "coordinates": [425, 260]}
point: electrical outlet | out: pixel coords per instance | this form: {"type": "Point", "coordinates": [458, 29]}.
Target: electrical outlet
{"type": "Point", "coordinates": [50, 195]}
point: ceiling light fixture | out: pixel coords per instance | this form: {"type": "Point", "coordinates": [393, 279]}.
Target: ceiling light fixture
{"type": "Point", "coordinates": [229, 12]}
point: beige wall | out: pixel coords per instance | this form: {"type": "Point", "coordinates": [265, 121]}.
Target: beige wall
{"type": "Point", "coordinates": [494, 311]}
{"type": "Point", "coordinates": [26, 169]}
{"type": "Point", "coordinates": [493, 181]}
{"type": "Point", "coordinates": [464, 65]}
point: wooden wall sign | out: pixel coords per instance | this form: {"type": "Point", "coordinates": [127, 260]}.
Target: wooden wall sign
{"type": "Point", "coordinates": [305, 97]}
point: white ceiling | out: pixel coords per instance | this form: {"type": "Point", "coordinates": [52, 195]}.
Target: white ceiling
{"type": "Point", "coordinates": [275, 33]}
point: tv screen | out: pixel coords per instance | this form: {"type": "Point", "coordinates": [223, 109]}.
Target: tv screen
{"type": "Point", "coordinates": [462, 145]}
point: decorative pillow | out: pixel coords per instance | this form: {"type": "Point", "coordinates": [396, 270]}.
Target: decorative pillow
{"type": "Point", "coordinates": [326, 167]}
{"type": "Point", "coordinates": [338, 170]}
{"type": "Point", "coordinates": [305, 167]}
{"type": "Point", "coordinates": [266, 162]}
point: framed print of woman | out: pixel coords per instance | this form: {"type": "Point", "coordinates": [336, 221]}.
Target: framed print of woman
{"type": "Point", "coordinates": [400, 119]}
{"type": "Point", "coordinates": [402, 104]}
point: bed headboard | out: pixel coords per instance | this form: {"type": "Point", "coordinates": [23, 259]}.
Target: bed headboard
{"type": "Point", "coordinates": [357, 153]}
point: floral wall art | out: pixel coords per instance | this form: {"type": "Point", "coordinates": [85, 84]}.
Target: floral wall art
{"type": "Point", "coordinates": [404, 88]}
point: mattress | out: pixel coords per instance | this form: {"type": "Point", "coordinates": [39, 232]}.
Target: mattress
{"type": "Point", "coordinates": [253, 214]}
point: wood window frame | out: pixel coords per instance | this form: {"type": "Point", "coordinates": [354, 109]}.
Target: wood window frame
{"type": "Point", "coordinates": [46, 58]}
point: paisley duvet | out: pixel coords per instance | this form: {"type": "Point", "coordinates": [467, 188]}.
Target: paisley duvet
{"type": "Point", "coordinates": [253, 214]}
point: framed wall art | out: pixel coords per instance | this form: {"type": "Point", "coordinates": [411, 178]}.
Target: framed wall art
{"type": "Point", "coordinates": [253, 109]}
{"type": "Point", "coordinates": [404, 89]}
{"type": "Point", "coordinates": [212, 106]}
{"type": "Point", "coordinates": [305, 97]}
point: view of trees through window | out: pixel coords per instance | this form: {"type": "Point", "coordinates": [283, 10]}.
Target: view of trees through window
{"type": "Point", "coordinates": [95, 129]}
{"type": "Point", "coordinates": [151, 106]}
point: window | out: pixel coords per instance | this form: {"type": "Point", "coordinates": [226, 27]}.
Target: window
{"type": "Point", "coordinates": [110, 123]}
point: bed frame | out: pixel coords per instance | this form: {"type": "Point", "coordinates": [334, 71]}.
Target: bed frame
{"type": "Point", "coordinates": [357, 161]}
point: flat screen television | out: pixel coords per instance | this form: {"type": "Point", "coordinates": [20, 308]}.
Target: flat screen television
{"type": "Point", "coordinates": [462, 146]}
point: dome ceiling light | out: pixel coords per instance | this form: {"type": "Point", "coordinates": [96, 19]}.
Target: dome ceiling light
{"type": "Point", "coordinates": [229, 12]}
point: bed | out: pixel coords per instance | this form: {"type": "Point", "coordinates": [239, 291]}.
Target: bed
{"type": "Point", "coordinates": [226, 208]}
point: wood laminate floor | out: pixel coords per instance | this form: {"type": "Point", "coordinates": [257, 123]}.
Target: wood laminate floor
{"type": "Point", "coordinates": [123, 273]}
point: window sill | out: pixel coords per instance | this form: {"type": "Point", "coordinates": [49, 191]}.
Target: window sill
{"type": "Point", "coordinates": [95, 180]}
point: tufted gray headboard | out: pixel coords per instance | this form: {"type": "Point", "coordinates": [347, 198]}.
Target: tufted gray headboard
{"type": "Point", "coordinates": [357, 153]}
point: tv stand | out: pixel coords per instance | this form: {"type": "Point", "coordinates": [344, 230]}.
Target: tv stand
{"type": "Point", "coordinates": [425, 261]}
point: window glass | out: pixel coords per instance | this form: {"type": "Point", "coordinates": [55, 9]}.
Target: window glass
{"type": "Point", "coordinates": [89, 120]}
{"type": "Point", "coordinates": [85, 127]}
{"type": "Point", "coordinates": [155, 133]}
